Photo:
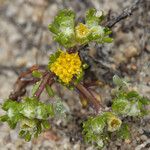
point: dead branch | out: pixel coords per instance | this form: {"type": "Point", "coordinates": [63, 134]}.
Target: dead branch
{"type": "Point", "coordinates": [125, 13]}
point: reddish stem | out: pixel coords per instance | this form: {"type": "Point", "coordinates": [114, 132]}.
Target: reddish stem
{"type": "Point", "coordinates": [47, 78]}
{"type": "Point", "coordinates": [89, 96]}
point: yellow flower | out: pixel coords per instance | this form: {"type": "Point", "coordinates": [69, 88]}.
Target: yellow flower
{"type": "Point", "coordinates": [114, 123]}
{"type": "Point", "coordinates": [66, 66]}
{"type": "Point", "coordinates": [82, 32]}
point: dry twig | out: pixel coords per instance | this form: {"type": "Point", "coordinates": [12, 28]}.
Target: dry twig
{"type": "Point", "coordinates": [125, 13]}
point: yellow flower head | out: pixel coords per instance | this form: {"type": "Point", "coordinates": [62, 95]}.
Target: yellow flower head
{"type": "Point", "coordinates": [114, 123]}
{"type": "Point", "coordinates": [82, 31]}
{"type": "Point", "coordinates": [66, 66]}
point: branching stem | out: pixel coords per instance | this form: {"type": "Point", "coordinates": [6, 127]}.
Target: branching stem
{"type": "Point", "coordinates": [47, 78]}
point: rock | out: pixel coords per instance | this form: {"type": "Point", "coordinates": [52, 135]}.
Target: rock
{"type": "Point", "coordinates": [148, 47]}
{"type": "Point", "coordinates": [143, 137]}
{"type": "Point", "coordinates": [119, 58]}
{"type": "Point", "coordinates": [141, 131]}
{"type": "Point", "coordinates": [131, 51]}
{"type": "Point", "coordinates": [21, 61]}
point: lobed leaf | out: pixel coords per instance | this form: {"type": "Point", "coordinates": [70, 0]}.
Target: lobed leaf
{"type": "Point", "coordinates": [63, 28]}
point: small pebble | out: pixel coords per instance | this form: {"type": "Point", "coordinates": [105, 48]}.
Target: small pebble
{"type": "Point", "coordinates": [141, 131]}
{"type": "Point", "coordinates": [127, 141]}
{"type": "Point", "coordinates": [143, 137]}
{"type": "Point", "coordinates": [131, 51]}
{"type": "Point", "coordinates": [137, 139]}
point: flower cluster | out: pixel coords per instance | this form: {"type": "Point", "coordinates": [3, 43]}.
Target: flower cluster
{"type": "Point", "coordinates": [114, 123]}
{"type": "Point", "coordinates": [66, 66]}
{"type": "Point", "coordinates": [69, 35]}
{"type": "Point", "coordinates": [96, 129]}
{"type": "Point", "coordinates": [82, 32]}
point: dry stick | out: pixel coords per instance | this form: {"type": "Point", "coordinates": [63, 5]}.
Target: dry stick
{"type": "Point", "coordinates": [126, 13]}
{"type": "Point", "coordinates": [89, 96]}
{"type": "Point", "coordinates": [21, 83]}
{"type": "Point", "coordinates": [17, 70]}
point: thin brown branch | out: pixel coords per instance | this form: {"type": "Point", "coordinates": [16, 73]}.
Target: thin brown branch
{"type": "Point", "coordinates": [126, 13]}
{"type": "Point", "coordinates": [90, 97]}
{"type": "Point", "coordinates": [17, 69]}
{"type": "Point", "coordinates": [24, 79]}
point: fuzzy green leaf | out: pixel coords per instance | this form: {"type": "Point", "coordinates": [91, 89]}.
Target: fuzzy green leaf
{"type": "Point", "coordinates": [124, 132]}
{"type": "Point", "coordinates": [49, 91]}
{"type": "Point", "coordinates": [121, 106]}
{"type": "Point", "coordinates": [9, 104]}
{"type": "Point", "coordinates": [46, 124]}
{"type": "Point", "coordinates": [53, 57]}
{"type": "Point", "coordinates": [4, 118]}
{"type": "Point", "coordinates": [36, 74]}
{"type": "Point", "coordinates": [107, 40]}
{"type": "Point", "coordinates": [135, 109]}
{"type": "Point", "coordinates": [27, 136]}
{"type": "Point", "coordinates": [144, 101]}
{"type": "Point", "coordinates": [118, 81]}
{"type": "Point", "coordinates": [63, 28]}
{"type": "Point", "coordinates": [132, 94]}
{"type": "Point", "coordinates": [93, 17]}
{"type": "Point", "coordinates": [35, 87]}
{"type": "Point", "coordinates": [29, 109]}
{"type": "Point", "coordinates": [59, 107]}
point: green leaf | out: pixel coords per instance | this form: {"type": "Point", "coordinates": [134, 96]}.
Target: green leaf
{"type": "Point", "coordinates": [36, 74]}
{"type": "Point", "coordinates": [8, 104]}
{"type": "Point", "coordinates": [107, 40]}
{"type": "Point", "coordinates": [53, 57]}
{"type": "Point", "coordinates": [98, 125]}
{"type": "Point", "coordinates": [50, 109]}
{"type": "Point", "coordinates": [26, 123]}
{"type": "Point", "coordinates": [85, 66]}
{"type": "Point", "coordinates": [94, 129]}
{"type": "Point", "coordinates": [124, 132]}
{"type": "Point", "coordinates": [135, 109]}
{"type": "Point", "coordinates": [132, 94]}
{"type": "Point", "coordinates": [118, 81]}
{"type": "Point", "coordinates": [63, 28]}
{"type": "Point", "coordinates": [79, 78]}
{"type": "Point", "coordinates": [93, 17]}
{"type": "Point", "coordinates": [107, 31]}
{"type": "Point", "coordinates": [43, 111]}
{"type": "Point", "coordinates": [39, 128]}
{"type": "Point", "coordinates": [46, 124]}
{"type": "Point", "coordinates": [59, 108]}
{"type": "Point", "coordinates": [3, 118]}
{"type": "Point", "coordinates": [97, 32]}
{"type": "Point", "coordinates": [49, 91]}
{"type": "Point", "coordinates": [28, 108]}
{"type": "Point", "coordinates": [35, 87]}
{"type": "Point", "coordinates": [12, 124]}
{"type": "Point", "coordinates": [27, 136]}
{"type": "Point", "coordinates": [22, 133]}
{"type": "Point", "coordinates": [144, 101]}
{"type": "Point", "coordinates": [121, 106]}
